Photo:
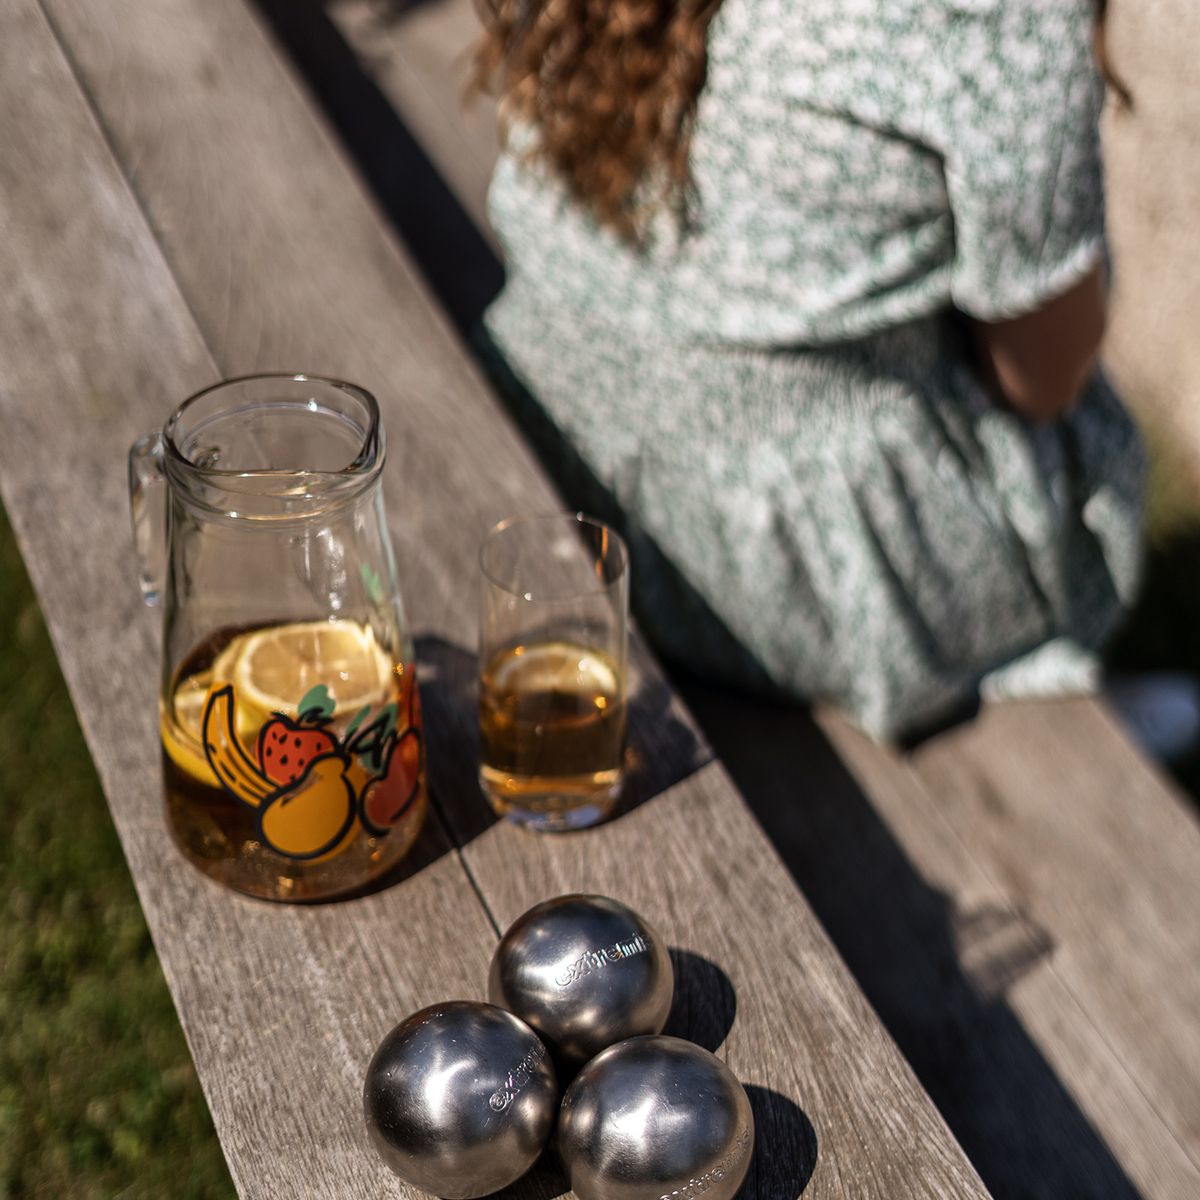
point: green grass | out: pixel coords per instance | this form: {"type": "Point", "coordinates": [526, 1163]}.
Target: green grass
{"type": "Point", "coordinates": [98, 1097]}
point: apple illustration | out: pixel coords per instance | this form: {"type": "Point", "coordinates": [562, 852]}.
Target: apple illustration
{"type": "Point", "coordinates": [388, 797]}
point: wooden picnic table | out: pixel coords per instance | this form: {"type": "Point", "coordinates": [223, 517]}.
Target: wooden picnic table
{"type": "Point", "coordinates": [173, 210]}
{"type": "Point", "coordinates": [1019, 898]}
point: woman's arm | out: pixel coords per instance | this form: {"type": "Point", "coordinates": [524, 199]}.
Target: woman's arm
{"type": "Point", "coordinates": [1041, 361]}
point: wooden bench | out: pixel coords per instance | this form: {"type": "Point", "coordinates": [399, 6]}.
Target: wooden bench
{"type": "Point", "coordinates": [172, 210]}
{"type": "Point", "coordinates": [1020, 899]}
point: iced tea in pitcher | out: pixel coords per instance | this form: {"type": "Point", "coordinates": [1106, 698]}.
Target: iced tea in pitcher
{"type": "Point", "coordinates": [283, 786]}
{"type": "Point", "coordinates": [289, 716]}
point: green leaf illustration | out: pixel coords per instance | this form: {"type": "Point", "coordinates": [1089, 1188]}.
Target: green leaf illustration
{"type": "Point", "coordinates": [372, 583]}
{"type": "Point", "coordinates": [355, 722]}
{"type": "Point", "coordinates": [317, 702]}
{"type": "Point", "coordinates": [372, 742]}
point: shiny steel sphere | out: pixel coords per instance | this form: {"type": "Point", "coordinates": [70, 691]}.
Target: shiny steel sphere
{"type": "Point", "coordinates": [584, 971]}
{"type": "Point", "coordinates": [656, 1117]}
{"type": "Point", "coordinates": [460, 1099]}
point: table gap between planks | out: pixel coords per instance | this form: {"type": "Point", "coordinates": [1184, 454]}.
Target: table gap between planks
{"type": "Point", "coordinates": [172, 210]}
{"type": "Point", "coordinates": [1026, 892]}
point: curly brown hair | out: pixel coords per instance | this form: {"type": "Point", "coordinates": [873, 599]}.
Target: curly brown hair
{"type": "Point", "coordinates": [610, 87]}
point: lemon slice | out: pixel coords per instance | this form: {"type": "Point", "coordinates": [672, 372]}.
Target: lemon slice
{"type": "Point", "coordinates": [179, 727]}
{"type": "Point", "coordinates": [276, 666]}
{"type": "Point", "coordinates": [271, 670]}
{"type": "Point", "coordinates": [556, 667]}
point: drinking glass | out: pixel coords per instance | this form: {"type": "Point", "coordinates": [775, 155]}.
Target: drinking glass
{"type": "Point", "coordinates": [290, 724]}
{"type": "Point", "coordinates": [552, 686]}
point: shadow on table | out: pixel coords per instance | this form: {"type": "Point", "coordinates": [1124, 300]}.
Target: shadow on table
{"type": "Point", "coordinates": [705, 1002]}
{"type": "Point", "coordinates": [785, 1147]}
{"type": "Point", "coordinates": [901, 938]}
{"type": "Point", "coordinates": [389, 12]}
{"type": "Point", "coordinates": [442, 238]}
{"type": "Point", "coordinates": [785, 1155]}
{"type": "Point", "coordinates": [936, 976]}
{"type": "Point", "coordinates": [785, 1150]}
{"type": "Point", "coordinates": [663, 746]}
{"type": "Point", "coordinates": [546, 1180]}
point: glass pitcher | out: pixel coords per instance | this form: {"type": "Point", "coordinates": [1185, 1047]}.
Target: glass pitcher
{"type": "Point", "coordinates": [292, 750]}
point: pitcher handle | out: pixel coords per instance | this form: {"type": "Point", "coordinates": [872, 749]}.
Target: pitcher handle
{"type": "Point", "coordinates": [148, 509]}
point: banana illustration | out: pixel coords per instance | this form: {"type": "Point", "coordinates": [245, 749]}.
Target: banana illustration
{"type": "Point", "coordinates": [236, 770]}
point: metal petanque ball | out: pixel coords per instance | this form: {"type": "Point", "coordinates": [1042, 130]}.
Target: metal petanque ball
{"type": "Point", "coordinates": [656, 1118]}
{"type": "Point", "coordinates": [584, 972]}
{"type": "Point", "coordinates": [460, 1099]}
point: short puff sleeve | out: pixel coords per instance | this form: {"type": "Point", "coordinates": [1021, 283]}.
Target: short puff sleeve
{"type": "Point", "coordinates": [1015, 101]}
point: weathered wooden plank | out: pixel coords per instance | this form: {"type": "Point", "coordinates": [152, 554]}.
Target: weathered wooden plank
{"type": "Point", "coordinates": [968, 980]}
{"type": "Point", "coordinates": [222, 150]}
{"type": "Point", "coordinates": [965, 980]}
{"type": "Point", "coordinates": [419, 56]}
{"type": "Point", "coordinates": [447, 243]}
{"type": "Point", "coordinates": [1054, 803]}
{"type": "Point", "coordinates": [1074, 1015]}
{"type": "Point", "coordinates": [975, 984]}
{"type": "Point", "coordinates": [1013, 987]}
{"type": "Point", "coordinates": [281, 1006]}
{"type": "Point", "coordinates": [832, 1096]}
{"type": "Point", "coordinates": [226, 154]}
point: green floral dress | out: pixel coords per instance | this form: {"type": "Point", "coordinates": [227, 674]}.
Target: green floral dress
{"type": "Point", "coordinates": [779, 394]}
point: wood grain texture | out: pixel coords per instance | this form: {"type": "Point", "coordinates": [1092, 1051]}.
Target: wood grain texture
{"type": "Point", "coordinates": [419, 56]}
{"type": "Point", "coordinates": [1057, 805]}
{"type": "Point", "coordinates": [833, 1099]}
{"type": "Point", "coordinates": [281, 1006]}
{"type": "Point", "coordinates": [1013, 950]}
{"type": "Point", "coordinates": [420, 53]}
{"type": "Point", "coordinates": [968, 978]}
{"type": "Point", "coordinates": [283, 262]}
{"type": "Point", "coordinates": [286, 265]}
{"type": "Point", "coordinates": [1050, 847]}
{"type": "Point", "coordinates": [226, 154]}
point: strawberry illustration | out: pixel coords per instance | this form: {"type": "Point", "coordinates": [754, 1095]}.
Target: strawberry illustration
{"type": "Point", "coordinates": [286, 747]}
{"type": "Point", "coordinates": [387, 798]}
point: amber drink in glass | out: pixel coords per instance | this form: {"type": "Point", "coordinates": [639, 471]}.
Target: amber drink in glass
{"type": "Point", "coordinates": [552, 684]}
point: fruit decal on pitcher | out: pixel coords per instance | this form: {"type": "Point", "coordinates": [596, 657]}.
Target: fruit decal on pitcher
{"type": "Point", "coordinates": [313, 789]}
